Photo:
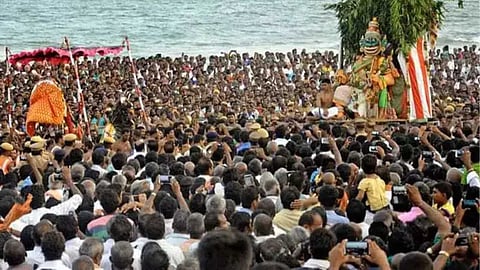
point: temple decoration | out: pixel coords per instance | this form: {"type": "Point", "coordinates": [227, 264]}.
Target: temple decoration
{"type": "Point", "coordinates": [373, 73]}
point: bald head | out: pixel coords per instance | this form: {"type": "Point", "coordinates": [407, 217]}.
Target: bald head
{"type": "Point", "coordinates": [241, 167]}
{"type": "Point", "coordinates": [329, 179]}
{"type": "Point", "coordinates": [415, 260]}
{"type": "Point", "coordinates": [13, 252]}
{"type": "Point", "coordinates": [189, 167]}
{"type": "Point", "coordinates": [89, 186]}
{"type": "Point", "coordinates": [262, 225]}
{"type": "Point", "coordinates": [83, 263]}
{"type": "Point", "coordinates": [454, 175]}
{"type": "Point", "coordinates": [414, 131]}
{"type": "Point", "coordinates": [396, 260]}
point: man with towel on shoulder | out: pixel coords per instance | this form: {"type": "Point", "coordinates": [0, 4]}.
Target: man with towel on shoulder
{"type": "Point", "coordinates": [6, 161]}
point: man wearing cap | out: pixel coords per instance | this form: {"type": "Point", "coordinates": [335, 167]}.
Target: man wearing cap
{"type": "Point", "coordinates": [6, 161]}
{"type": "Point", "coordinates": [69, 140]}
{"type": "Point", "coordinates": [36, 152]}
{"type": "Point", "coordinates": [255, 126]}
{"type": "Point", "coordinates": [41, 143]}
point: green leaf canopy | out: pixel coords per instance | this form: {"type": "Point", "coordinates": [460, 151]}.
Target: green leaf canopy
{"type": "Point", "coordinates": [402, 21]}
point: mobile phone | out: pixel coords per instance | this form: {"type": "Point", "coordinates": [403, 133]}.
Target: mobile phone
{"type": "Point", "coordinates": [249, 181]}
{"type": "Point", "coordinates": [356, 248]}
{"type": "Point", "coordinates": [469, 204]}
{"type": "Point", "coordinates": [165, 179]}
{"type": "Point", "coordinates": [325, 141]}
{"type": "Point", "coordinates": [459, 153]}
{"type": "Point", "coordinates": [375, 133]}
{"type": "Point", "coordinates": [427, 156]}
{"type": "Point", "coordinates": [462, 241]}
{"type": "Point", "coordinates": [372, 149]}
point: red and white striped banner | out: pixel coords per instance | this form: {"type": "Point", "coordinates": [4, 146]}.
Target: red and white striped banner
{"type": "Point", "coordinates": [416, 73]}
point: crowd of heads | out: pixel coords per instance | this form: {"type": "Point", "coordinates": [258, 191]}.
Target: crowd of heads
{"type": "Point", "coordinates": [223, 171]}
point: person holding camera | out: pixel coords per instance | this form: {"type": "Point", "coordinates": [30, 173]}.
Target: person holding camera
{"type": "Point", "coordinates": [458, 251]}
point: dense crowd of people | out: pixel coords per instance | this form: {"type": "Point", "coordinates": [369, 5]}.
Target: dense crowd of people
{"type": "Point", "coordinates": [223, 169]}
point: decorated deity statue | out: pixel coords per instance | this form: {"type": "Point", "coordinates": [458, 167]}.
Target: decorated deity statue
{"type": "Point", "coordinates": [372, 73]}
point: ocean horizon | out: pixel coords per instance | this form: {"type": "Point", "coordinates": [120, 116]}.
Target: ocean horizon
{"type": "Point", "coordinates": [205, 27]}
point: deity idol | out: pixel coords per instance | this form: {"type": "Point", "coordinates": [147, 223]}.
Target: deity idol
{"type": "Point", "coordinates": [372, 73]}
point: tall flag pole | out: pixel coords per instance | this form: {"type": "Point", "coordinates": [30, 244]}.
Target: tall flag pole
{"type": "Point", "coordinates": [138, 91]}
{"type": "Point", "coordinates": [81, 103]}
{"type": "Point", "coordinates": [7, 84]}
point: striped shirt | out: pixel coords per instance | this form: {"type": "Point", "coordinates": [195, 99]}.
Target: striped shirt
{"type": "Point", "coordinates": [98, 227]}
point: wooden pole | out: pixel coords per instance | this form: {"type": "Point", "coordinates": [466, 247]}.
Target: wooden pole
{"type": "Point", "coordinates": [340, 57]}
{"type": "Point", "coordinates": [138, 91]}
{"type": "Point", "coordinates": [81, 102]}
{"type": "Point", "coordinates": [7, 85]}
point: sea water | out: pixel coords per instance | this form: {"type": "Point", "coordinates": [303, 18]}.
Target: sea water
{"type": "Point", "coordinates": [195, 27]}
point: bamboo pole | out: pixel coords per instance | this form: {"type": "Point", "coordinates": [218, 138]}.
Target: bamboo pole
{"type": "Point", "coordinates": [80, 100]}
{"type": "Point", "coordinates": [7, 85]}
{"type": "Point", "coordinates": [135, 80]}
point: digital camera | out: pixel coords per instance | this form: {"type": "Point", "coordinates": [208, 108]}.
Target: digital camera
{"type": "Point", "coordinates": [400, 201]}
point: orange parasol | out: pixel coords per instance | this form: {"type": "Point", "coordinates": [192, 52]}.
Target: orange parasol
{"type": "Point", "coordinates": [47, 106]}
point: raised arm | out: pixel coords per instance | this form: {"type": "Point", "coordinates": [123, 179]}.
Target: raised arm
{"type": "Point", "coordinates": [392, 143]}
{"type": "Point", "coordinates": [67, 178]}
{"type": "Point", "coordinates": [148, 206]}
{"type": "Point", "coordinates": [336, 152]}
{"type": "Point", "coordinates": [178, 193]}
{"type": "Point", "coordinates": [435, 216]}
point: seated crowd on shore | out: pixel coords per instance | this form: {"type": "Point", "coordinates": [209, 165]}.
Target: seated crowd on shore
{"type": "Point", "coordinates": [223, 170]}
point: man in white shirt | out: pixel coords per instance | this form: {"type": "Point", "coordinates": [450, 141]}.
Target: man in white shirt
{"type": "Point", "coordinates": [271, 187]}
{"type": "Point", "coordinates": [139, 150]}
{"type": "Point", "coordinates": [38, 209]}
{"type": "Point", "coordinates": [122, 256]}
{"type": "Point", "coordinates": [98, 160]}
{"type": "Point", "coordinates": [93, 248]}
{"type": "Point", "coordinates": [356, 212]}
{"type": "Point", "coordinates": [53, 245]}
{"type": "Point", "coordinates": [119, 229]}
{"type": "Point", "coordinates": [321, 242]}
{"type": "Point", "coordinates": [180, 234]}
{"type": "Point", "coordinates": [36, 256]}
{"type": "Point", "coordinates": [14, 256]}
{"type": "Point", "coordinates": [68, 226]}
{"type": "Point", "coordinates": [280, 133]}
{"type": "Point", "coordinates": [155, 231]}
{"type": "Point", "coordinates": [262, 228]}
